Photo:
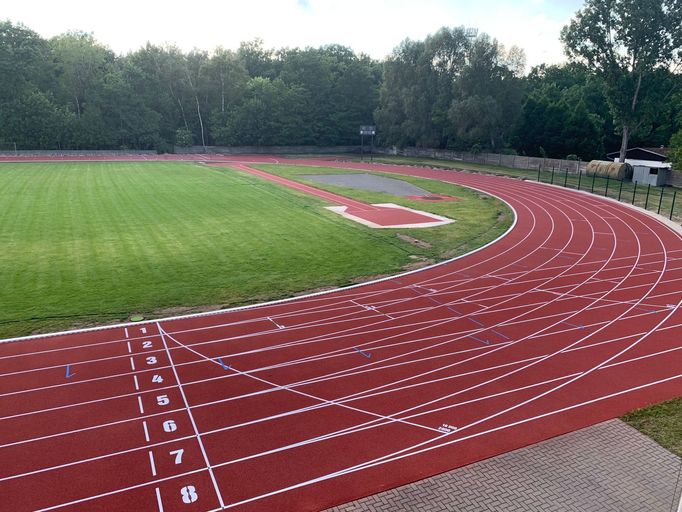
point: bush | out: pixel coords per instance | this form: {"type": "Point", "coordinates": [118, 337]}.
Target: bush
{"type": "Point", "coordinates": [183, 138]}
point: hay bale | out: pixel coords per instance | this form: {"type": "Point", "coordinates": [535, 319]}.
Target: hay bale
{"type": "Point", "coordinates": [615, 170]}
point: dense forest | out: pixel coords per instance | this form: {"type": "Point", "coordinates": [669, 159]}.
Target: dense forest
{"type": "Point", "coordinates": [447, 91]}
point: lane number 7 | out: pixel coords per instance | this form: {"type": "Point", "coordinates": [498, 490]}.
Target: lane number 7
{"type": "Point", "coordinates": [178, 455]}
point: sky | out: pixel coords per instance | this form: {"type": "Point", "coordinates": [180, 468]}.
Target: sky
{"type": "Point", "coordinates": [373, 27]}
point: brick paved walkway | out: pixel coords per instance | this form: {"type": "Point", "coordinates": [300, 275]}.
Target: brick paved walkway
{"type": "Point", "coordinates": [609, 467]}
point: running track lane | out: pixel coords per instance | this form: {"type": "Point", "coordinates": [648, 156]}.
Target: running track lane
{"type": "Point", "coordinates": [571, 319]}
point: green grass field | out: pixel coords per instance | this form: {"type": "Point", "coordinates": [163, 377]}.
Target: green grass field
{"type": "Point", "coordinates": [90, 243]}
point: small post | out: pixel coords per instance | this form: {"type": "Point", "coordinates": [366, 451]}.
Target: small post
{"type": "Point", "coordinates": [634, 193]}
{"type": "Point", "coordinates": [660, 200]}
{"type": "Point", "coordinates": [551, 181]}
{"type": "Point", "coordinates": [594, 177]}
{"type": "Point", "coordinates": [646, 201]}
{"type": "Point", "coordinates": [672, 206]}
{"type": "Point", "coordinates": [620, 190]}
{"type": "Point", "coordinates": [538, 173]}
{"type": "Point", "coordinates": [566, 178]}
{"type": "Point", "coordinates": [608, 180]}
{"type": "Point", "coordinates": [580, 176]}
{"type": "Point", "coordinates": [362, 147]}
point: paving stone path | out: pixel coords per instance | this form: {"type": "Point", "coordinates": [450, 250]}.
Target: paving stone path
{"type": "Point", "coordinates": [609, 467]}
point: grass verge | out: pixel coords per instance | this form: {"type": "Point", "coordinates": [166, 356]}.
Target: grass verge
{"type": "Point", "coordinates": [662, 422]}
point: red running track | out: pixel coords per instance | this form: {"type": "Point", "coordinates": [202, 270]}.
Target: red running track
{"type": "Point", "coordinates": [571, 318]}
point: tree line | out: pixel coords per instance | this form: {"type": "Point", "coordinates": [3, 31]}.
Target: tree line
{"type": "Point", "coordinates": [449, 90]}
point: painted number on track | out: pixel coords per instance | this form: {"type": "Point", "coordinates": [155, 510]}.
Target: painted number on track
{"type": "Point", "coordinates": [178, 455]}
{"type": "Point", "coordinates": [162, 400]}
{"type": "Point", "coordinates": [151, 360]}
{"type": "Point", "coordinates": [189, 494]}
{"type": "Point", "coordinates": [146, 344]}
{"type": "Point", "coordinates": [157, 378]}
{"type": "Point", "coordinates": [169, 426]}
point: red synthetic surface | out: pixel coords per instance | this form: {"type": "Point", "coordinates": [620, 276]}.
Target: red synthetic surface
{"type": "Point", "coordinates": [571, 319]}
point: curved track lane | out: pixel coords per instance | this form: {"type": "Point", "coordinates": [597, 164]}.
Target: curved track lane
{"type": "Point", "coordinates": [570, 319]}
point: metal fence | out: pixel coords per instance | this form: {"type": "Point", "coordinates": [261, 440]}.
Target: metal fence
{"type": "Point", "coordinates": [661, 200]}
{"type": "Point", "coordinates": [511, 161]}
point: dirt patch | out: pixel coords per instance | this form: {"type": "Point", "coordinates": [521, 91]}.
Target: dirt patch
{"type": "Point", "coordinates": [415, 265]}
{"type": "Point", "coordinates": [414, 241]}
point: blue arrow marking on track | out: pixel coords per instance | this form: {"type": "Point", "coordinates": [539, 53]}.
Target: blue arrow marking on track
{"type": "Point", "coordinates": [220, 362]}
{"type": "Point", "coordinates": [480, 340]}
{"type": "Point", "coordinates": [68, 372]}
{"type": "Point", "coordinates": [501, 335]}
{"type": "Point", "coordinates": [366, 354]}
{"type": "Point", "coordinates": [476, 321]}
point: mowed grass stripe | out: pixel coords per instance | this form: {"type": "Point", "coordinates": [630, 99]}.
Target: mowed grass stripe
{"type": "Point", "coordinates": [84, 243]}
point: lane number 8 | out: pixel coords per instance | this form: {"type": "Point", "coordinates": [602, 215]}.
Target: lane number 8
{"type": "Point", "coordinates": [189, 494]}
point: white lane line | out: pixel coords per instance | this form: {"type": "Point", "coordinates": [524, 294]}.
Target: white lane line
{"type": "Point", "coordinates": [323, 355]}
{"type": "Point", "coordinates": [151, 462]}
{"type": "Point", "coordinates": [119, 491]}
{"type": "Point", "coordinates": [132, 363]}
{"type": "Point", "coordinates": [322, 378]}
{"type": "Point", "coordinates": [126, 332]}
{"type": "Point", "coordinates": [191, 417]}
{"type": "Point", "coordinates": [205, 404]}
{"type": "Point", "coordinates": [139, 403]}
{"type": "Point", "coordinates": [276, 324]}
{"type": "Point", "coordinates": [301, 393]}
{"type": "Point", "coordinates": [130, 349]}
{"type": "Point", "coordinates": [400, 454]}
{"type": "Point", "coordinates": [93, 459]}
{"type": "Point", "coordinates": [146, 431]}
{"type": "Point", "coordinates": [346, 431]}
{"type": "Point", "coordinates": [137, 385]}
{"type": "Point", "coordinates": [158, 499]}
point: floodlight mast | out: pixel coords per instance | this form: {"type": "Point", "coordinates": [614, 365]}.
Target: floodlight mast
{"type": "Point", "coordinates": [471, 32]}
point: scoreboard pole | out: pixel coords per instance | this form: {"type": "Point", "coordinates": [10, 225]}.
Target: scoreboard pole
{"type": "Point", "coordinates": [367, 130]}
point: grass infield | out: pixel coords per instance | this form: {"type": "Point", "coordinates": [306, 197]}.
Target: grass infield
{"type": "Point", "coordinates": [91, 243]}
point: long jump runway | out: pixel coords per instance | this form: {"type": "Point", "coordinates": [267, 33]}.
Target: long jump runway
{"type": "Point", "coordinates": [570, 319]}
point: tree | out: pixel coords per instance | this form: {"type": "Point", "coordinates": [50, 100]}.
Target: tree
{"type": "Point", "coordinates": [488, 94]}
{"type": "Point", "coordinates": [676, 150]}
{"type": "Point", "coordinates": [625, 42]}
